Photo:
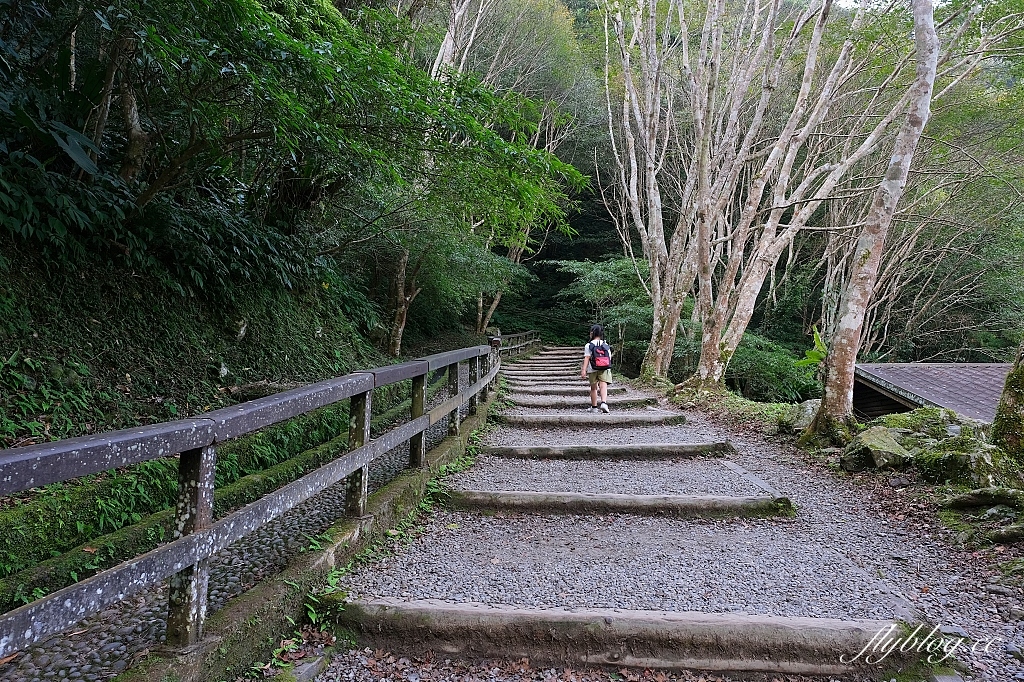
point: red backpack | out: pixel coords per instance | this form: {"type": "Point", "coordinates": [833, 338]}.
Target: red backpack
{"type": "Point", "coordinates": [600, 355]}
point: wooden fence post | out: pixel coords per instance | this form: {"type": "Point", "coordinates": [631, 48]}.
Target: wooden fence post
{"type": "Point", "coordinates": [360, 413]}
{"type": "Point", "coordinates": [453, 388]}
{"type": "Point", "coordinates": [186, 612]}
{"type": "Point", "coordinates": [418, 443]}
{"type": "Point", "coordinates": [495, 361]}
{"type": "Point", "coordinates": [474, 374]}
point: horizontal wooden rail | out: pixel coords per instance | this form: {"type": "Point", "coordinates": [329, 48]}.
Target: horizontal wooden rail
{"type": "Point", "coordinates": [37, 465]}
{"type": "Point", "coordinates": [197, 537]}
{"type": "Point", "coordinates": [517, 343]}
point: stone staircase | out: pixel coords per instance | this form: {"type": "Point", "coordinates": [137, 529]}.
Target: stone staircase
{"type": "Point", "coordinates": [619, 539]}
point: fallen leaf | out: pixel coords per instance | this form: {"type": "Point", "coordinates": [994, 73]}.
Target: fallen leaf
{"type": "Point", "coordinates": [90, 550]}
{"type": "Point", "coordinates": [8, 659]}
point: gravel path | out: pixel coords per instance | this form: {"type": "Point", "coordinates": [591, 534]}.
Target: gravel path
{"type": "Point", "coordinates": [851, 551]}
{"type": "Point", "coordinates": [625, 562]}
{"type": "Point", "coordinates": [687, 433]}
{"type": "Point", "coordinates": [703, 476]}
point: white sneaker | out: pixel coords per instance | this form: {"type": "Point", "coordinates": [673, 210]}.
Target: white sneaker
{"type": "Point", "coordinates": [604, 407]}
{"type": "Point", "coordinates": [591, 409]}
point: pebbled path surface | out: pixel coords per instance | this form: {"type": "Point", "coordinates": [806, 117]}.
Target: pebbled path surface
{"type": "Point", "coordinates": [704, 476]}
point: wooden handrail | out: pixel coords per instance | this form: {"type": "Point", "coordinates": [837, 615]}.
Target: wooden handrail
{"type": "Point", "coordinates": [197, 537]}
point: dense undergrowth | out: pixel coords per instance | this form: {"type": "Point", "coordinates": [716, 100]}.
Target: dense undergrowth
{"type": "Point", "coordinates": [98, 348]}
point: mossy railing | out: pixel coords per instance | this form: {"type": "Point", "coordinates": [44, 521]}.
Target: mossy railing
{"type": "Point", "coordinates": [196, 441]}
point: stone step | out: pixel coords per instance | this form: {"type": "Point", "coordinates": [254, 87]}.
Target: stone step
{"type": "Point", "coordinates": [631, 451]}
{"type": "Point", "coordinates": [542, 366]}
{"type": "Point", "coordinates": [688, 506]}
{"type": "Point", "coordinates": [512, 369]}
{"type": "Point", "coordinates": [593, 419]}
{"type": "Point", "coordinates": [556, 401]}
{"type": "Point", "coordinates": [516, 383]}
{"type": "Point", "coordinates": [587, 637]}
{"type": "Point", "coordinates": [540, 377]}
{"type": "Point", "coordinates": [559, 389]}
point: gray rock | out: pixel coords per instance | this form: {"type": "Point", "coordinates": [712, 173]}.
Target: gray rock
{"type": "Point", "coordinates": [1000, 511]}
{"type": "Point", "coordinates": [874, 447]}
{"type": "Point", "coordinates": [1000, 589]}
{"type": "Point", "coordinates": [955, 631]}
{"type": "Point", "coordinates": [966, 461]}
{"type": "Point", "coordinates": [801, 416]}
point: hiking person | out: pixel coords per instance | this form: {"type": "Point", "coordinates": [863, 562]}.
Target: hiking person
{"type": "Point", "coordinates": [597, 367]}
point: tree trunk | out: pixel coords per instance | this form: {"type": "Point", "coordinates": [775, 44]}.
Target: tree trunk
{"type": "Point", "coordinates": [1008, 428]}
{"type": "Point", "coordinates": [405, 292]}
{"type": "Point", "coordinates": [138, 139]}
{"type": "Point", "coordinates": [401, 307]}
{"type": "Point", "coordinates": [490, 311]}
{"type": "Point", "coordinates": [837, 406]}
{"type": "Point", "coordinates": [480, 313]}
{"type": "Point", "coordinates": [713, 358]}
{"type": "Point", "coordinates": [103, 108]}
{"type": "Point", "coordinates": [667, 311]}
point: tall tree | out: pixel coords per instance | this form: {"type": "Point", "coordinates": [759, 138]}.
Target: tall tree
{"type": "Point", "coordinates": [837, 406]}
{"type": "Point", "coordinates": [836, 411]}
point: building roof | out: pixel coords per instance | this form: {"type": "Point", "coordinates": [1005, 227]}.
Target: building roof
{"type": "Point", "coordinates": [970, 389]}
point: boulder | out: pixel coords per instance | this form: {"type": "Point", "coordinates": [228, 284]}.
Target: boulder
{"type": "Point", "coordinates": [874, 447]}
{"type": "Point", "coordinates": [963, 459]}
{"type": "Point", "coordinates": [801, 416]}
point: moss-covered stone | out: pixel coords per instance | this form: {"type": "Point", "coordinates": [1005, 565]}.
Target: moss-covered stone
{"type": "Point", "coordinates": [797, 419]}
{"type": "Point", "coordinates": [947, 447]}
{"type": "Point", "coordinates": [964, 459]}
{"type": "Point", "coordinates": [930, 421]}
{"type": "Point", "coordinates": [874, 447]}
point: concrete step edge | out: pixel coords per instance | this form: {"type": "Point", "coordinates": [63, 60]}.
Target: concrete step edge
{"type": "Point", "coordinates": [590, 419]}
{"type": "Point", "coordinates": [524, 401]}
{"type": "Point", "coordinates": [631, 451]}
{"type": "Point", "coordinates": [612, 637]}
{"type": "Point", "coordinates": [689, 506]}
{"type": "Point", "coordinates": [560, 389]}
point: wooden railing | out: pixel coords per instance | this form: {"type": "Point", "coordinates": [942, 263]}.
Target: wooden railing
{"type": "Point", "coordinates": [196, 536]}
{"type": "Point", "coordinates": [518, 343]}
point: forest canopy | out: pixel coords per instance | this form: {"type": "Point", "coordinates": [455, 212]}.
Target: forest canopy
{"type": "Point", "coordinates": [701, 177]}
{"type": "Point", "coordinates": [214, 144]}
